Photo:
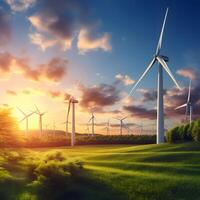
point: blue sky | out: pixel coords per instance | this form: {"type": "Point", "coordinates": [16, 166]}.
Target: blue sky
{"type": "Point", "coordinates": [133, 28]}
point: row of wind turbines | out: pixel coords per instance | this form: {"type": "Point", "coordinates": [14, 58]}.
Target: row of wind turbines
{"type": "Point", "coordinates": [161, 61]}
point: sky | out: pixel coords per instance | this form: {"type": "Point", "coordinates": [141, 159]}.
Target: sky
{"type": "Point", "coordinates": [96, 51]}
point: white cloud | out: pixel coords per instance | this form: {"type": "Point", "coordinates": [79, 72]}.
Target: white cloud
{"type": "Point", "coordinates": [125, 79]}
{"type": "Point", "coordinates": [86, 42]}
{"type": "Point", "coordinates": [187, 73]}
{"type": "Point", "coordinates": [20, 5]}
{"type": "Point", "coordinates": [41, 41]}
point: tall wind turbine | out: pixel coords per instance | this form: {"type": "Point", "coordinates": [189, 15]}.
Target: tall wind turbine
{"type": "Point", "coordinates": [187, 105]}
{"type": "Point", "coordinates": [92, 123]}
{"type": "Point", "coordinates": [26, 117]}
{"type": "Point", "coordinates": [72, 101]}
{"type": "Point", "coordinates": [40, 118]}
{"type": "Point", "coordinates": [162, 64]}
{"type": "Point", "coordinates": [121, 123]}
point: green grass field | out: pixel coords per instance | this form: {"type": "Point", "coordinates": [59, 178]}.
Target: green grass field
{"type": "Point", "coordinates": [168, 171]}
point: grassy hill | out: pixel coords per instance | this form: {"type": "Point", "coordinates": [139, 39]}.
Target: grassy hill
{"type": "Point", "coordinates": [168, 171]}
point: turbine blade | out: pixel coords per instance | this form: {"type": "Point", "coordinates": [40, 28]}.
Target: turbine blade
{"type": "Point", "coordinates": [143, 75]}
{"type": "Point", "coordinates": [164, 65]}
{"type": "Point", "coordinates": [21, 111]}
{"type": "Point", "coordinates": [30, 114]}
{"type": "Point", "coordinates": [182, 106]}
{"type": "Point", "coordinates": [161, 34]}
{"type": "Point", "coordinates": [189, 92]}
{"type": "Point", "coordinates": [22, 119]}
{"type": "Point", "coordinates": [90, 119]}
{"type": "Point", "coordinates": [68, 110]}
{"type": "Point", "coordinates": [124, 118]}
{"type": "Point", "coordinates": [37, 109]}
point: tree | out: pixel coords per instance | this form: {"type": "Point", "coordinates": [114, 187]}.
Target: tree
{"type": "Point", "coordinates": [9, 134]}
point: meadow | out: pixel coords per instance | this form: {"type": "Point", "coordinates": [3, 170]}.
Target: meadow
{"type": "Point", "coordinates": [167, 171]}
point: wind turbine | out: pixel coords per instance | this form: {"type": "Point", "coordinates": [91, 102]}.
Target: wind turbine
{"type": "Point", "coordinates": [162, 64]}
{"type": "Point", "coordinates": [187, 105]}
{"type": "Point", "coordinates": [40, 118]}
{"type": "Point", "coordinates": [121, 123]}
{"type": "Point", "coordinates": [72, 101]}
{"type": "Point", "coordinates": [26, 116]}
{"type": "Point", "coordinates": [67, 125]}
{"type": "Point", "coordinates": [92, 122]}
{"type": "Point", "coordinates": [107, 127]}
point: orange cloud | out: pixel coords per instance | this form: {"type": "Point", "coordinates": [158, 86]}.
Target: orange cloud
{"type": "Point", "coordinates": [52, 71]}
{"type": "Point", "coordinates": [11, 92]}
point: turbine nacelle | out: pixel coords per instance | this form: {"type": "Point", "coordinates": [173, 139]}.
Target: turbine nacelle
{"type": "Point", "coordinates": [165, 58]}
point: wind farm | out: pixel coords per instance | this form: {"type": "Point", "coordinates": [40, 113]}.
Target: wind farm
{"type": "Point", "coordinates": [85, 114]}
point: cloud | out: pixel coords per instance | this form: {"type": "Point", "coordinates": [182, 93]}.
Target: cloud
{"type": "Point", "coordinates": [59, 23]}
{"type": "Point", "coordinates": [20, 5]}
{"type": "Point", "coordinates": [52, 71]}
{"type": "Point", "coordinates": [11, 92]}
{"type": "Point", "coordinates": [87, 41]}
{"type": "Point", "coordinates": [39, 40]}
{"type": "Point", "coordinates": [138, 111]}
{"type": "Point", "coordinates": [148, 95]}
{"type": "Point", "coordinates": [188, 73]}
{"type": "Point", "coordinates": [98, 96]}
{"type": "Point", "coordinates": [56, 94]}
{"type": "Point", "coordinates": [5, 33]}
{"type": "Point", "coordinates": [125, 79]}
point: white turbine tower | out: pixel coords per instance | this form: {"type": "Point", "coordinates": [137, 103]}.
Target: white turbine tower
{"type": "Point", "coordinates": [72, 101]}
{"type": "Point", "coordinates": [40, 118]}
{"type": "Point", "coordinates": [92, 123]}
{"type": "Point", "coordinates": [161, 60]}
{"type": "Point", "coordinates": [187, 105]}
{"type": "Point", "coordinates": [26, 117]}
{"type": "Point", "coordinates": [121, 124]}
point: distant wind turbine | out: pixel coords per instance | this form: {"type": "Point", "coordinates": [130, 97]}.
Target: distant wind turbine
{"type": "Point", "coordinates": [40, 118]}
{"type": "Point", "coordinates": [92, 123]}
{"type": "Point", "coordinates": [162, 64]}
{"type": "Point", "coordinates": [187, 105]}
{"type": "Point", "coordinates": [107, 127]}
{"type": "Point", "coordinates": [121, 124]}
{"type": "Point", "coordinates": [26, 117]}
{"type": "Point", "coordinates": [72, 101]}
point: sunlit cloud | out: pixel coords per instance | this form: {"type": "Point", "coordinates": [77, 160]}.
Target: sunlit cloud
{"type": "Point", "coordinates": [125, 79]}
{"type": "Point", "coordinates": [58, 24]}
{"type": "Point", "coordinates": [87, 41]}
{"type": "Point", "coordinates": [39, 40]}
{"type": "Point", "coordinates": [20, 5]}
{"type": "Point", "coordinates": [188, 73]}
{"type": "Point", "coordinates": [53, 71]}
{"type": "Point", "coordinates": [11, 92]}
